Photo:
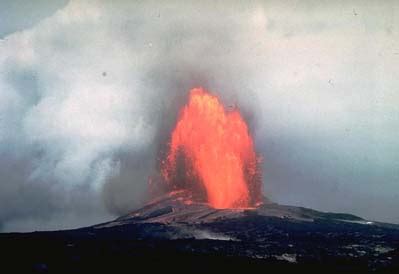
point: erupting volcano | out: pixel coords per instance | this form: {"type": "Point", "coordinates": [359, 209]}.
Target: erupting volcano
{"type": "Point", "coordinates": [211, 154]}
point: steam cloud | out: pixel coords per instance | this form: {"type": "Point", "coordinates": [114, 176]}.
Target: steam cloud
{"type": "Point", "coordinates": [89, 95]}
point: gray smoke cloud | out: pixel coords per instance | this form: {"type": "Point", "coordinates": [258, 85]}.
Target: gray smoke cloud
{"type": "Point", "coordinates": [88, 96]}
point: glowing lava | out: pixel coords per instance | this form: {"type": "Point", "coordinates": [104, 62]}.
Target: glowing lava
{"type": "Point", "coordinates": [211, 152]}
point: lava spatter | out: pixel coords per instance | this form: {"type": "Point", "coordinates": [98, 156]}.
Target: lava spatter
{"type": "Point", "coordinates": [211, 152]}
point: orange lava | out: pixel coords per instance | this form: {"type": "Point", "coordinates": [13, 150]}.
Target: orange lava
{"type": "Point", "coordinates": [218, 153]}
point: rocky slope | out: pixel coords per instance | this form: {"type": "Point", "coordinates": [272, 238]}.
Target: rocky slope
{"type": "Point", "coordinates": [178, 234]}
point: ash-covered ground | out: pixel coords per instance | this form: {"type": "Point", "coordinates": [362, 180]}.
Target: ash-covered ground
{"type": "Point", "coordinates": [173, 233]}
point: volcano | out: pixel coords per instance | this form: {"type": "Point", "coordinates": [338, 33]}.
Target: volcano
{"type": "Point", "coordinates": [180, 235]}
{"type": "Point", "coordinates": [212, 217]}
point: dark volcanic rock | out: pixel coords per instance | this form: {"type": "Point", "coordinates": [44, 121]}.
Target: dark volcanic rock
{"type": "Point", "coordinates": [176, 234]}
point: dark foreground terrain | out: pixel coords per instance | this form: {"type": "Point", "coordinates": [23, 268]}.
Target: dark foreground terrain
{"type": "Point", "coordinates": [173, 234]}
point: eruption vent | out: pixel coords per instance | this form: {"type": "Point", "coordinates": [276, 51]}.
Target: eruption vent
{"type": "Point", "coordinates": [211, 154]}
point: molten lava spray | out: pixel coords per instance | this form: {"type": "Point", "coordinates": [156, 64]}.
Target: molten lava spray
{"type": "Point", "coordinates": [217, 154]}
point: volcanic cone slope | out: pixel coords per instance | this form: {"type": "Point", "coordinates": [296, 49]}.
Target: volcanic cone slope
{"type": "Point", "coordinates": [173, 230]}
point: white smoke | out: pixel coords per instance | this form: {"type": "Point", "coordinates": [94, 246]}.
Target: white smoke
{"type": "Point", "coordinates": [92, 83]}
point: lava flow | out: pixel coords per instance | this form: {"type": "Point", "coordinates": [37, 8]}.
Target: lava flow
{"type": "Point", "coordinates": [211, 154]}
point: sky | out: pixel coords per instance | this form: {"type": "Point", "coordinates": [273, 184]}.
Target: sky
{"type": "Point", "coordinates": [90, 90]}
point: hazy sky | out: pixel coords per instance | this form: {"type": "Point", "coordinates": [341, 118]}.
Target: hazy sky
{"type": "Point", "coordinates": [89, 91]}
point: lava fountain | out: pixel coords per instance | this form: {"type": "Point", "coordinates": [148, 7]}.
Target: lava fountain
{"type": "Point", "coordinates": [211, 153]}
